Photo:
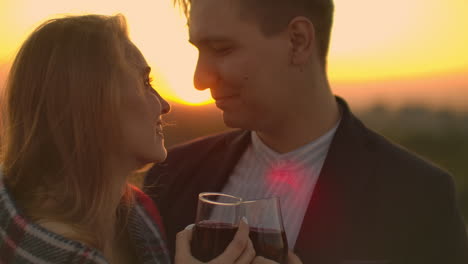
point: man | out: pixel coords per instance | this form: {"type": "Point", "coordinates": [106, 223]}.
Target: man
{"type": "Point", "coordinates": [347, 194]}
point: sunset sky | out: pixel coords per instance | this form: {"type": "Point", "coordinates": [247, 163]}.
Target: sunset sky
{"type": "Point", "coordinates": [394, 51]}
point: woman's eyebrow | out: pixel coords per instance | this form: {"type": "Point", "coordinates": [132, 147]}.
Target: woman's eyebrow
{"type": "Point", "coordinates": [146, 70]}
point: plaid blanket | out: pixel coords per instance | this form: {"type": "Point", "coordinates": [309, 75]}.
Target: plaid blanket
{"type": "Point", "coordinates": [24, 242]}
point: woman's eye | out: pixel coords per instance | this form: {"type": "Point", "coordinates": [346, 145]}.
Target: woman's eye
{"type": "Point", "coordinates": [149, 82]}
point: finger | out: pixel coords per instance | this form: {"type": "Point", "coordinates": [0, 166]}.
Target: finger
{"type": "Point", "coordinates": [262, 260]}
{"type": "Point", "coordinates": [183, 239]}
{"type": "Point", "coordinates": [237, 245]}
{"type": "Point", "coordinates": [248, 255]}
{"type": "Point", "coordinates": [293, 259]}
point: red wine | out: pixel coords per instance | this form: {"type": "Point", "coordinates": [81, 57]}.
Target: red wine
{"type": "Point", "coordinates": [210, 239]}
{"type": "Point", "coordinates": [269, 243]}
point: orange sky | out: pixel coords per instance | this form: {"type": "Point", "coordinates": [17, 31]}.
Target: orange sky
{"type": "Point", "coordinates": [389, 51]}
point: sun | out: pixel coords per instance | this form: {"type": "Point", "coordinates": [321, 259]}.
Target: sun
{"type": "Point", "coordinates": [163, 39]}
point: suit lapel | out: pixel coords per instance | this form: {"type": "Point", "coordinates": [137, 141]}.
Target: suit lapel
{"type": "Point", "coordinates": [221, 164]}
{"type": "Point", "coordinates": [337, 197]}
{"type": "Point", "coordinates": [233, 150]}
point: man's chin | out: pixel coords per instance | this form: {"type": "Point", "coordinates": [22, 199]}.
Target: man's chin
{"type": "Point", "coordinates": [235, 121]}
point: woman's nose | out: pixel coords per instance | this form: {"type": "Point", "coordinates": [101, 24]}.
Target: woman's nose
{"type": "Point", "coordinates": [165, 106]}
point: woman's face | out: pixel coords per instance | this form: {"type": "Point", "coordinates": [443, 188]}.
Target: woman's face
{"type": "Point", "coordinates": [141, 111]}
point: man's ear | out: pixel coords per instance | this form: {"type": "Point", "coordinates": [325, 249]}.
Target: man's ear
{"type": "Point", "coordinates": [302, 40]}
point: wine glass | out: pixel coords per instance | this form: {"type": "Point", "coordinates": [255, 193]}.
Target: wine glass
{"type": "Point", "coordinates": [266, 228]}
{"type": "Point", "coordinates": [215, 225]}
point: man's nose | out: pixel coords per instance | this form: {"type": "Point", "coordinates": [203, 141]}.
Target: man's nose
{"type": "Point", "coordinates": [205, 75]}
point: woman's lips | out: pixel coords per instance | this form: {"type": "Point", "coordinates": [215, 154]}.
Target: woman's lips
{"type": "Point", "coordinates": [160, 132]}
{"type": "Point", "coordinates": [159, 129]}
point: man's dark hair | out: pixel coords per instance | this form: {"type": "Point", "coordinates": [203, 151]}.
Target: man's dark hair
{"type": "Point", "coordinates": [274, 16]}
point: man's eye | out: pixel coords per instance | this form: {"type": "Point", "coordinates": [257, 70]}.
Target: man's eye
{"type": "Point", "coordinates": [222, 50]}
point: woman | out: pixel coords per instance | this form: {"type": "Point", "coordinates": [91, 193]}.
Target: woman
{"type": "Point", "coordinates": [80, 117]}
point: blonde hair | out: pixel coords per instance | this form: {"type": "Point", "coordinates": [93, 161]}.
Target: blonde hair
{"type": "Point", "coordinates": [61, 121]}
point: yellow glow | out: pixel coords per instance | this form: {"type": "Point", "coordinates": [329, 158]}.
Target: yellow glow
{"type": "Point", "coordinates": [372, 40]}
{"type": "Point", "coordinates": [159, 30]}
{"type": "Point", "coordinates": [156, 27]}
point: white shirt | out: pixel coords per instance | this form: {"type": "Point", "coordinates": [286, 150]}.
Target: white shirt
{"type": "Point", "coordinates": [261, 172]}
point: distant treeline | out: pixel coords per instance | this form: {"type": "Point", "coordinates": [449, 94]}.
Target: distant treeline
{"type": "Point", "coordinates": [438, 136]}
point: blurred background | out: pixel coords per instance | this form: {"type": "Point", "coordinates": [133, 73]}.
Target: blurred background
{"type": "Point", "coordinates": [402, 65]}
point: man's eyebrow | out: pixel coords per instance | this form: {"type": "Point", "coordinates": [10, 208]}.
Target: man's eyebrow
{"type": "Point", "coordinates": [208, 40]}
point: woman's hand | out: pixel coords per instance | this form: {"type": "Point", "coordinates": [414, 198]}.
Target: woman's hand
{"type": "Point", "coordinates": [239, 251]}
{"type": "Point", "coordinates": [292, 259]}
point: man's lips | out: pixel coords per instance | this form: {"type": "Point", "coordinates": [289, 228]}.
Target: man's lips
{"type": "Point", "coordinates": [224, 97]}
{"type": "Point", "coordinates": [223, 101]}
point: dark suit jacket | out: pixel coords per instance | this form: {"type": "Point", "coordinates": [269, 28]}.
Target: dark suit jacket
{"type": "Point", "coordinates": [374, 202]}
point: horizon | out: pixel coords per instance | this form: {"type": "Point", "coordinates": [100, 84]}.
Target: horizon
{"type": "Point", "coordinates": [436, 92]}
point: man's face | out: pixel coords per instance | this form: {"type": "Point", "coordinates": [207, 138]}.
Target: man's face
{"type": "Point", "coordinates": [246, 71]}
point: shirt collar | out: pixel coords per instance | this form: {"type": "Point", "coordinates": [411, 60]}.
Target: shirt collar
{"type": "Point", "coordinates": [299, 155]}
